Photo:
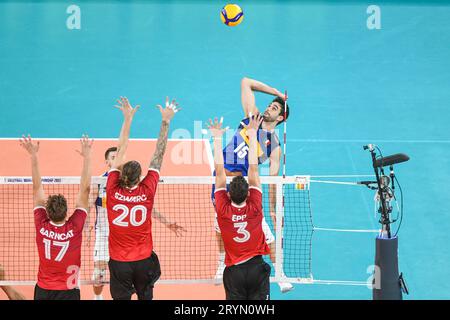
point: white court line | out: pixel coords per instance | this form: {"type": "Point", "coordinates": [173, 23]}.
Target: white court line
{"type": "Point", "coordinates": [102, 139]}
{"type": "Point", "coordinates": [341, 282]}
{"type": "Point", "coordinates": [346, 230]}
{"type": "Point", "coordinates": [342, 176]}
{"type": "Point", "coordinates": [292, 140]}
{"type": "Point", "coordinates": [337, 182]}
{"type": "Point", "coordinates": [366, 140]}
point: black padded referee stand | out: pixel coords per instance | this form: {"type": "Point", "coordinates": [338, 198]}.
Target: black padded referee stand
{"type": "Point", "coordinates": [386, 259]}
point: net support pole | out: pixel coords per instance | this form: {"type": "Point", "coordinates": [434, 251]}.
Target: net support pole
{"type": "Point", "coordinates": [386, 280]}
{"type": "Point", "coordinates": [279, 232]}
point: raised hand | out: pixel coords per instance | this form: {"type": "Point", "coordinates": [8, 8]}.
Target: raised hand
{"type": "Point", "coordinates": [216, 127]}
{"type": "Point", "coordinates": [28, 145]}
{"type": "Point", "coordinates": [86, 146]}
{"type": "Point", "coordinates": [254, 124]}
{"type": "Point", "coordinates": [169, 111]}
{"type": "Point", "coordinates": [280, 94]}
{"type": "Point", "coordinates": [175, 228]}
{"type": "Point", "coordinates": [127, 110]}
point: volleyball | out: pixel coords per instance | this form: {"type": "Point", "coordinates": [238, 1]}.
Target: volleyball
{"type": "Point", "coordinates": [231, 15]}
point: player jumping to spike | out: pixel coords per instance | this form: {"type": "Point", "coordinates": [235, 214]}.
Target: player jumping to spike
{"type": "Point", "coordinates": [236, 155]}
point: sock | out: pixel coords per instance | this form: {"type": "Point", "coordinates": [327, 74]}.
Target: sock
{"type": "Point", "coordinates": [98, 297]}
{"type": "Point", "coordinates": [221, 258]}
{"type": "Point", "coordinates": [221, 264]}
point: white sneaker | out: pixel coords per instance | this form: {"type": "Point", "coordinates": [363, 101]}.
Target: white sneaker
{"type": "Point", "coordinates": [285, 286]}
{"type": "Point", "coordinates": [99, 297]}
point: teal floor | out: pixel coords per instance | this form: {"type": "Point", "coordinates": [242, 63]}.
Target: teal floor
{"type": "Point", "coordinates": [348, 86]}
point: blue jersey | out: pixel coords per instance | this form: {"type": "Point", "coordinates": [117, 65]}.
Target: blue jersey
{"type": "Point", "coordinates": [235, 154]}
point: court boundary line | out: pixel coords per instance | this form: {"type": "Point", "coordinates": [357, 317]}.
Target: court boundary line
{"type": "Point", "coordinates": [347, 230]}
{"type": "Point", "coordinates": [107, 139]}
{"type": "Point", "coordinates": [365, 141]}
{"type": "Point", "coordinates": [291, 140]}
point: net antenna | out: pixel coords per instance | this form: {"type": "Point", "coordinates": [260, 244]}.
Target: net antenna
{"type": "Point", "coordinates": [284, 133]}
{"type": "Point", "coordinates": [280, 206]}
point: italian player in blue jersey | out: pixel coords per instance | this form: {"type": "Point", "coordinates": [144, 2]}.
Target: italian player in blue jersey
{"type": "Point", "coordinates": [236, 155]}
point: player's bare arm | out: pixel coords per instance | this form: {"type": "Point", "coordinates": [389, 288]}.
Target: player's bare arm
{"type": "Point", "coordinates": [167, 114]}
{"type": "Point", "coordinates": [128, 114]}
{"type": "Point", "coordinates": [172, 226]}
{"type": "Point", "coordinates": [12, 293]}
{"type": "Point", "coordinates": [248, 86]}
{"type": "Point", "coordinates": [38, 190]}
{"type": "Point", "coordinates": [85, 181]}
{"type": "Point", "coordinates": [252, 129]}
{"type": "Point", "coordinates": [274, 169]}
{"type": "Point", "coordinates": [217, 132]}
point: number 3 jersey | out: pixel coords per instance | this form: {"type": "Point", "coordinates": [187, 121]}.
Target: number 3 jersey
{"type": "Point", "coordinates": [59, 247]}
{"type": "Point", "coordinates": [235, 154]}
{"type": "Point", "coordinates": [241, 226]}
{"type": "Point", "coordinates": [129, 216]}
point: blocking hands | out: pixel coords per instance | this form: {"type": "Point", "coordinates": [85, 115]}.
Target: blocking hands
{"type": "Point", "coordinates": [169, 111]}
{"type": "Point", "coordinates": [86, 146]}
{"type": "Point", "coordinates": [28, 145]}
{"type": "Point", "coordinates": [216, 128]}
{"type": "Point", "coordinates": [126, 108]}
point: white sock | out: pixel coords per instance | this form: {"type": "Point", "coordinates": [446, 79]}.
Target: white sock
{"type": "Point", "coordinates": [98, 297]}
{"type": "Point", "coordinates": [221, 258]}
{"type": "Point", "coordinates": [221, 264]}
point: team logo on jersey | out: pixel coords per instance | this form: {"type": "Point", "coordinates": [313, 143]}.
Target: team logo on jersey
{"type": "Point", "coordinates": [242, 149]}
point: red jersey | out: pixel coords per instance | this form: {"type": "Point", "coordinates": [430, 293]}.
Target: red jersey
{"type": "Point", "coordinates": [59, 247]}
{"type": "Point", "coordinates": [129, 217]}
{"type": "Point", "coordinates": [241, 226]}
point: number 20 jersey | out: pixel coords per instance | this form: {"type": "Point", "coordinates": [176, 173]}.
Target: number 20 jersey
{"type": "Point", "coordinates": [129, 217]}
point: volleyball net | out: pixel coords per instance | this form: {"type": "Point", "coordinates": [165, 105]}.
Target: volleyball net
{"type": "Point", "coordinates": [188, 256]}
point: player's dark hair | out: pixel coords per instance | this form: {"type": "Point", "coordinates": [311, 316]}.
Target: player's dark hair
{"type": "Point", "coordinates": [108, 151]}
{"type": "Point", "coordinates": [131, 174]}
{"type": "Point", "coordinates": [238, 189]}
{"type": "Point", "coordinates": [285, 116]}
{"type": "Point", "coordinates": [56, 206]}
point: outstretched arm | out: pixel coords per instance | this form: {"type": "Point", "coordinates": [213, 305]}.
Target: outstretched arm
{"type": "Point", "coordinates": [252, 129]}
{"type": "Point", "coordinates": [248, 86]}
{"type": "Point", "coordinates": [217, 133]}
{"type": "Point", "coordinates": [12, 293]}
{"type": "Point", "coordinates": [85, 181]}
{"type": "Point", "coordinates": [128, 114]}
{"type": "Point", "coordinates": [38, 190]}
{"type": "Point", "coordinates": [167, 114]}
{"type": "Point", "coordinates": [172, 226]}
